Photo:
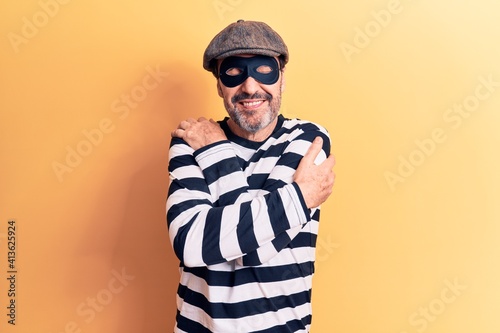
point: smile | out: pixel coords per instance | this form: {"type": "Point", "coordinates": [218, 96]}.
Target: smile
{"type": "Point", "coordinates": [252, 104]}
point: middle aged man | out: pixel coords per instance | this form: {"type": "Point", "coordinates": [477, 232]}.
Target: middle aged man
{"type": "Point", "coordinates": [243, 204]}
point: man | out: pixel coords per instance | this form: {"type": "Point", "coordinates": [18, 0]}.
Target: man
{"type": "Point", "coordinates": [243, 202]}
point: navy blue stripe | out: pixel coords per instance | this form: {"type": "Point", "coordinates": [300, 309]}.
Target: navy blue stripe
{"type": "Point", "coordinates": [273, 184]}
{"type": "Point", "coordinates": [290, 159]}
{"type": "Point", "coordinates": [272, 151]}
{"type": "Point", "coordinates": [257, 180]}
{"type": "Point", "coordinates": [190, 326]}
{"type": "Point", "coordinates": [310, 135]}
{"type": "Point", "coordinates": [285, 130]}
{"type": "Point", "coordinates": [178, 141]}
{"type": "Point", "coordinates": [289, 327]}
{"type": "Point", "coordinates": [303, 127]}
{"type": "Point", "coordinates": [281, 241]}
{"type": "Point", "coordinates": [211, 238]}
{"type": "Point", "coordinates": [244, 230]}
{"type": "Point", "coordinates": [251, 259]}
{"type": "Point", "coordinates": [244, 308]}
{"type": "Point", "coordinates": [181, 161]}
{"type": "Point", "coordinates": [303, 239]}
{"type": "Point", "coordinates": [277, 213]}
{"type": "Point", "coordinates": [177, 209]}
{"type": "Point", "coordinates": [230, 197]}
{"type": "Point", "coordinates": [220, 169]}
{"type": "Point", "coordinates": [192, 184]}
{"type": "Point", "coordinates": [252, 274]}
{"type": "Point", "coordinates": [180, 239]}
{"type": "Point", "coordinates": [307, 211]}
{"type": "Point", "coordinates": [316, 215]}
{"type": "Point", "coordinates": [242, 163]}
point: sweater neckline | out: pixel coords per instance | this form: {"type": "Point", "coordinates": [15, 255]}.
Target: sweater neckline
{"type": "Point", "coordinates": [245, 142]}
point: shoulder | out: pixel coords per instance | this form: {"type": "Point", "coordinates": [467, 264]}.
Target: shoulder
{"type": "Point", "coordinates": [298, 128]}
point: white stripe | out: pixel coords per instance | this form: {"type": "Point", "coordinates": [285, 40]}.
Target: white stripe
{"type": "Point", "coordinates": [262, 166]}
{"type": "Point", "coordinates": [263, 229]}
{"type": "Point", "coordinates": [184, 216]}
{"type": "Point", "coordinates": [180, 150]}
{"type": "Point", "coordinates": [215, 155]}
{"type": "Point", "coordinates": [193, 246]}
{"type": "Point", "coordinates": [229, 247]}
{"type": "Point", "coordinates": [268, 320]}
{"type": "Point", "coordinates": [293, 208]}
{"type": "Point", "coordinates": [190, 171]}
{"type": "Point", "coordinates": [283, 173]}
{"type": "Point", "coordinates": [227, 184]}
{"type": "Point", "coordinates": [289, 256]}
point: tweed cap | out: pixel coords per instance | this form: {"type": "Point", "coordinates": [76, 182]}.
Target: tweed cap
{"type": "Point", "coordinates": [244, 37]}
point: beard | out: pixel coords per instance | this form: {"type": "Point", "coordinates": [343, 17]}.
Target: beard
{"type": "Point", "coordinates": [250, 121]}
{"type": "Point", "coordinates": [254, 121]}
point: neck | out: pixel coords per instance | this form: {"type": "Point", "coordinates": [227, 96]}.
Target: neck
{"type": "Point", "coordinates": [258, 136]}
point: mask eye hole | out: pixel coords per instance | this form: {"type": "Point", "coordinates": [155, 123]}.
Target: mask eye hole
{"type": "Point", "coordinates": [264, 69]}
{"type": "Point", "coordinates": [234, 71]}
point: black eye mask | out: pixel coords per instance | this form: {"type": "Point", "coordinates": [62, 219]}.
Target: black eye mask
{"type": "Point", "coordinates": [235, 70]}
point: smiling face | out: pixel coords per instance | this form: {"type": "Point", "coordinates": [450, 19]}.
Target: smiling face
{"type": "Point", "coordinates": [252, 106]}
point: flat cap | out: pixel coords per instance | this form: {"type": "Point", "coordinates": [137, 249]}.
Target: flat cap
{"type": "Point", "coordinates": [244, 37]}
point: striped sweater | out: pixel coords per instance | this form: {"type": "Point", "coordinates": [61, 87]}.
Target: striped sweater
{"type": "Point", "coordinates": [242, 232]}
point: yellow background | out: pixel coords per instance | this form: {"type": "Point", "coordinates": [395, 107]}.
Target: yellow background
{"type": "Point", "coordinates": [388, 250]}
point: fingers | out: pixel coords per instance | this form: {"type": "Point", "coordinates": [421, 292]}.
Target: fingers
{"type": "Point", "coordinates": [177, 133]}
{"type": "Point", "coordinates": [329, 162]}
{"type": "Point", "coordinates": [184, 124]}
{"type": "Point", "coordinates": [313, 150]}
{"type": "Point", "coordinates": [199, 133]}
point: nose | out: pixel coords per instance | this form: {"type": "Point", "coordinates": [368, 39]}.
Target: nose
{"type": "Point", "coordinates": [250, 86]}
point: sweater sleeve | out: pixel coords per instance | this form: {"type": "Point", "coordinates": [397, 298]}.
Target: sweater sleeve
{"type": "Point", "coordinates": [212, 216]}
{"type": "Point", "coordinates": [281, 175]}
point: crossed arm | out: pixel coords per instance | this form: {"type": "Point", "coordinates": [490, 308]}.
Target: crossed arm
{"type": "Point", "coordinates": [203, 233]}
{"type": "Point", "coordinates": [314, 181]}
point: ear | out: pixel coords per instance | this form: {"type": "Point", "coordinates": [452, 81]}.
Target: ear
{"type": "Point", "coordinates": [219, 89]}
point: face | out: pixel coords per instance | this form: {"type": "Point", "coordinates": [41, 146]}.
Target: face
{"type": "Point", "coordinates": [251, 90]}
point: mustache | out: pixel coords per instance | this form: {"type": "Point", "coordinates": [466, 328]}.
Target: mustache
{"type": "Point", "coordinates": [257, 95]}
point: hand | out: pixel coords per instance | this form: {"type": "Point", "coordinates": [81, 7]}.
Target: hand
{"type": "Point", "coordinates": [315, 181]}
{"type": "Point", "coordinates": [199, 133]}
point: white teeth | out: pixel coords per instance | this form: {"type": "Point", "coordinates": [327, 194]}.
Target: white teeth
{"type": "Point", "coordinates": [251, 103]}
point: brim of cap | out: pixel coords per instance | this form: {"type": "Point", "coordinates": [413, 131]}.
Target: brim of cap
{"type": "Point", "coordinates": [266, 52]}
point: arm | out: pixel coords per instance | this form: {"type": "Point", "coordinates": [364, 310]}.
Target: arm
{"type": "Point", "coordinates": [206, 225]}
{"type": "Point", "coordinates": [205, 233]}
{"type": "Point", "coordinates": [286, 171]}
